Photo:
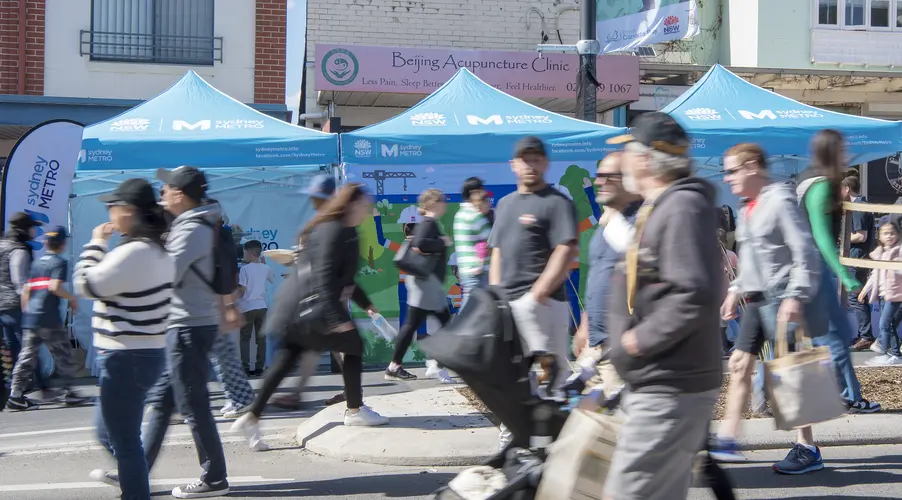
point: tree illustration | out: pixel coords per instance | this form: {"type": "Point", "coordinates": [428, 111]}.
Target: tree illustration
{"type": "Point", "coordinates": [370, 249]}
{"type": "Point", "coordinates": [574, 180]}
{"type": "Point", "coordinates": [384, 207]}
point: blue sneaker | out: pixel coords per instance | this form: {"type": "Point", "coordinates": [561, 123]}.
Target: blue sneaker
{"type": "Point", "coordinates": [725, 450]}
{"type": "Point", "coordinates": [800, 460]}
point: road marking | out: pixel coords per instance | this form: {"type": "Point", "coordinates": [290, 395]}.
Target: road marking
{"type": "Point", "coordinates": [48, 431]}
{"type": "Point", "coordinates": [82, 446]}
{"type": "Point", "coordinates": [154, 482]}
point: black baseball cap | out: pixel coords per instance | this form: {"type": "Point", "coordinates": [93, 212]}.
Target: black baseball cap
{"type": "Point", "coordinates": [658, 131]}
{"type": "Point", "coordinates": [57, 235]}
{"type": "Point", "coordinates": [23, 221]}
{"type": "Point", "coordinates": [321, 187]}
{"type": "Point", "coordinates": [188, 180]}
{"type": "Point", "coordinates": [137, 192]}
{"type": "Point", "coordinates": [529, 144]}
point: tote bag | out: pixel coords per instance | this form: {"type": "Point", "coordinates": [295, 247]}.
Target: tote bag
{"type": "Point", "coordinates": [414, 263]}
{"type": "Point", "coordinates": [801, 387]}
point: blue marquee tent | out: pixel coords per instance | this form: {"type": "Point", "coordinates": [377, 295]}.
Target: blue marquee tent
{"type": "Point", "coordinates": [193, 123]}
{"type": "Point", "coordinates": [468, 121]}
{"type": "Point", "coordinates": [722, 110]}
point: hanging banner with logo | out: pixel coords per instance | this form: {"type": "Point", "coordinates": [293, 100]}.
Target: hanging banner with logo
{"type": "Point", "coordinates": [38, 175]}
{"type": "Point", "coordinates": [626, 25]}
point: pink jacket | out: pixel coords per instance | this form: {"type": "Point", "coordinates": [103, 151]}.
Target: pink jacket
{"type": "Point", "coordinates": [890, 282]}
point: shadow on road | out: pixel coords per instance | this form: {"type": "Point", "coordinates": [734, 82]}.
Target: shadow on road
{"type": "Point", "coordinates": [390, 485]}
{"type": "Point", "coordinates": [839, 472]}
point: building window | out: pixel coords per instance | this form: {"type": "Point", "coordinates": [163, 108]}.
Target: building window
{"type": "Point", "coordinates": [859, 15]}
{"type": "Point", "coordinates": [827, 12]}
{"type": "Point", "coordinates": [152, 31]}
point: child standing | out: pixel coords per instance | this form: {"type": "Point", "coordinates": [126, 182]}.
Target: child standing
{"type": "Point", "coordinates": [252, 279]}
{"type": "Point", "coordinates": [887, 285]}
{"type": "Point", "coordinates": [43, 323]}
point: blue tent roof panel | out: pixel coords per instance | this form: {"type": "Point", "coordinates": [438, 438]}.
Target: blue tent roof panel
{"type": "Point", "coordinates": [468, 121]}
{"type": "Point", "coordinates": [193, 123]}
{"type": "Point", "coordinates": [722, 110]}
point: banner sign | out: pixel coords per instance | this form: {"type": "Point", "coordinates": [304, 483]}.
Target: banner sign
{"type": "Point", "coordinates": [625, 25]}
{"type": "Point", "coordinates": [410, 70]}
{"type": "Point", "coordinates": [657, 97]}
{"type": "Point", "coordinates": [38, 175]}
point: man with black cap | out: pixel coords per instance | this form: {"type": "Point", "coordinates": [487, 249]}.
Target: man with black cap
{"type": "Point", "coordinates": [15, 264]}
{"type": "Point", "coordinates": [194, 322]}
{"type": "Point", "coordinates": [533, 243]}
{"type": "Point", "coordinates": [664, 320]}
{"type": "Point", "coordinates": [43, 323]}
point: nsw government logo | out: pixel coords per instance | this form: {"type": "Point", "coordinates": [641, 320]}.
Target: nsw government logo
{"type": "Point", "coordinates": [671, 24]}
{"type": "Point", "coordinates": [428, 120]}
{"type": "Point", "coordinates": [340, 67]}
{"type": "Point", "coordinates": [363, 148]}
{"type": "Point", "coordinates": [702, 114]}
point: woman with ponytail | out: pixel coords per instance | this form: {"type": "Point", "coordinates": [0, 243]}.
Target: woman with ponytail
{"type": "Point", "coordinates": [131, 286]}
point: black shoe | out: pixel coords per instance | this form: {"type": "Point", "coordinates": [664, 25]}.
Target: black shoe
{"type": "Point", "coordinates": [21, 403]}
{"type": "Point", "coordinates": [74, 399]}
{"type": "Point", "coordinates": [399, 374]}
{"type": "Point", "coordinates": [201, 489]}
{"type": "Point", "coordinates": [334, 400]}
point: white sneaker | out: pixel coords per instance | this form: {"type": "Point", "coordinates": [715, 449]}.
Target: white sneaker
{"type": "Point", "coordinates": [227, 408]}
{"type": "Point", "coordinates": [235, 413]}
{"type": "Point", "coordinates": [876, 348]}
{"type": "Point", "coordinates": [249, 425]}
{"type": "Point", "coordinates": [884, 360]}
{"type": "Point", "coordinates": [434, 371]}
{"type": "Point", "coordinates": [365, 417]}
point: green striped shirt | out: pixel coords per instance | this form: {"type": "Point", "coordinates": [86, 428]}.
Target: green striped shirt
{"type": "Point", "coordinates": [470, 228]}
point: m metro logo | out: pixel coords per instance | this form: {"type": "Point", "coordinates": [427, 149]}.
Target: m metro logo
{"type": "Point", "coordinates": [762, 115]}
{"type": "Point", "coordinates": [389, 151]}
{"type": "Point", "coordinates": [492, 120]}
{"type": "Point", "coordinates": [182, 125]}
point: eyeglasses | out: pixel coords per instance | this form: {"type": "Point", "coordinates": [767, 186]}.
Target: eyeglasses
{"type": "Point", "coordinates": [605, 176]}
{"type": "Point", "coordinates": [740, 168]}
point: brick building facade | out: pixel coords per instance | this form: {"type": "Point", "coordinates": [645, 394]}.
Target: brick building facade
{"type": "Point", "coordinates": [269, 51]}
{"type": "Point", "coordinates": [22, 47]}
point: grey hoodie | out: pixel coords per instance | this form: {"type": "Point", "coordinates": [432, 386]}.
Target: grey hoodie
{"type": "Point", "coordinates": [777, 255]}
{"type": "Point", "coordinates": [676, 317]}
{"type": "Point", "coordinates": [189, 242]}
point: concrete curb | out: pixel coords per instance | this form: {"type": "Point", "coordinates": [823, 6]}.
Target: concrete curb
{"type": "Point", "coordinates": [850, 430]}
{"type": "Point", "coordinates": [430, 427]}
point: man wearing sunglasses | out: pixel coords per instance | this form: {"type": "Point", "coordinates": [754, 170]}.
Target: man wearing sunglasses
{"type": "Point", "coordinates": [605, 249]}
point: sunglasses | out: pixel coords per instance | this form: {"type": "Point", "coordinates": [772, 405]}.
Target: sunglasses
{"type": "Point", "coordinates": [608, 176]}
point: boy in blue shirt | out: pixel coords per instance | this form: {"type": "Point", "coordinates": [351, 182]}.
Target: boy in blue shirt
{"type": "Point", "coordinates": [43, 323]}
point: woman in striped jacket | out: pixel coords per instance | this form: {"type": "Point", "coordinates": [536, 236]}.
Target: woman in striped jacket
{"type": "Point", "coordinates": [131, 286]}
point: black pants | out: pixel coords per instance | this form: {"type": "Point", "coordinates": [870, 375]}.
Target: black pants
{"type": "Point", "coordinates": [415, 318]}
{"type": "Point", "coordinates": [286, 359]}
{"type": "Point", "coordinates": [717, 479]}
{"type": "Point", "coordinates": [862, 309]}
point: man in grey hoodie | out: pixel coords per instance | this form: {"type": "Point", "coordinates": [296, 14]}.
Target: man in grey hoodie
{"type": "Point", "coordinates": [194, 322]}
{"type": "Point", "coordinates": [664, 324]}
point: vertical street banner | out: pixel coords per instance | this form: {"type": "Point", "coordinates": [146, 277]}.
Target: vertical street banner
{"type": "Point", "coordinates": [38, 175]}
{"type": "Point", "coordinates": [626, 25]}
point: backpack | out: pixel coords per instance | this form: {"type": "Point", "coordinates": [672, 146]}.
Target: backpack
{"type": "Point", "coordinates": [225, 260]}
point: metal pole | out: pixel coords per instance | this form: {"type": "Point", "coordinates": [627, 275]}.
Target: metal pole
{"type": "Point", "coordinates": [585, 85]}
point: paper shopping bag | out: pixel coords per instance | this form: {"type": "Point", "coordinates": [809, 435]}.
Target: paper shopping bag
{"type": "Point", "coordinates": [801, 387]}
{"type": "Point", "coordinates": [579, 459]}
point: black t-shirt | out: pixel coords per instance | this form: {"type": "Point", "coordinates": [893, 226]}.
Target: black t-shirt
{"type": "Point", "coordinates": [862, 221]}
{"type": "Point", "coordinates": [528, 227]}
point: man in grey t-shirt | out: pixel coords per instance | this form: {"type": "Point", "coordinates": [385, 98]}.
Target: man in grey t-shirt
{"type": "Point", "coordinates": [533, 243]}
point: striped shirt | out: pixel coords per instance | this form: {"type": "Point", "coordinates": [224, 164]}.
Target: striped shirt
{"type": "Point", "coordinates": [132, 288]}
{"type": "Point", "coordinates": [471, 232]}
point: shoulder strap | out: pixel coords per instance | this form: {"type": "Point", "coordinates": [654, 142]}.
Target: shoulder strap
{"type": "Point", "coordinates": [200, 221]}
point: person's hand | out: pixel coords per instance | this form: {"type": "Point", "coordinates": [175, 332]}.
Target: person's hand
{"type": "Point", "coordinates": [540, 291]}
{"type": "Point", "coordinates": [790, 311]}
{"type": "Point", "coordinates": [630, 343]}
{"type": "Point", "coordinates": [586, 182]}
{"type": "Point", "coordinates": [347, 326]}
{"type": "Point", "coordinates": [376, 212]}
{"type": "Point", "coordinates": [862, 296]}
{"type": "Point", "coordinates": [372, 311]}
{"type": "Point", "coordinates": [103, 232]}
{"type": "Point", "coordinates": [231, 319]}
{"type": "Point", "coordinates": [448, 241]}
{"type": "Point", "coordinates": [581, 339]}
{"type": "Point", "coordinates": [729, 307]}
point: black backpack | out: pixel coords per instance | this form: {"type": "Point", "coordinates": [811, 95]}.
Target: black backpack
{"type": "Point", "coordinates": [225, 260]}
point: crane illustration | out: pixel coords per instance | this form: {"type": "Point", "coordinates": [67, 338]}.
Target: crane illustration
{"type": "Point", "coordinates": [380, 175]}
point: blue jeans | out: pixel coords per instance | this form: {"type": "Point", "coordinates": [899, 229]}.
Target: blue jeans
{"type": "Point", "coordinates": [185, 384]}
{"type": "Point", "coordinates": [838, 336]}
{"type": "Point", "coordinates": [470, 283]}
{"type": "Point", "coordinates": [890, 313]}
{"type": "Point", "coordinates": [125, 378]}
